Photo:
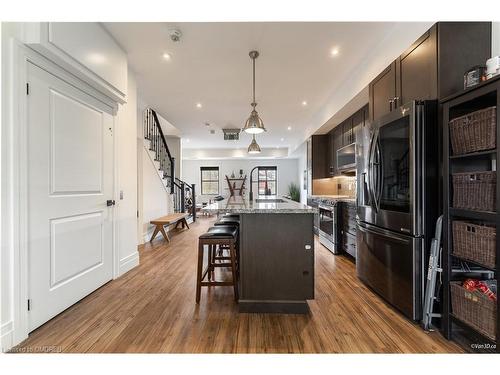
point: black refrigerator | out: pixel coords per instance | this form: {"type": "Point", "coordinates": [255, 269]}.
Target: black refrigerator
{"type": "Point", "coordinates": [397, 172]}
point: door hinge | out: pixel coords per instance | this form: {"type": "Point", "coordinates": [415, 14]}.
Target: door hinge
{"type": "Point", "coordinates": [137, 213]}
{"type": "Point", "coordinates": [29, 305]}
{"type": "Point", "coordinates": [27, 88]}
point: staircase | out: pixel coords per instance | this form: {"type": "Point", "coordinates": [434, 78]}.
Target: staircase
{"type": "Point", "coordinates": [184, 194]}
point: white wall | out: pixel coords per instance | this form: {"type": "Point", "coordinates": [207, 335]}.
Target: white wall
{"type": "Point", "coordinates": [174, 145]}
{"type": "Point", "coordinates": [153, 199]}
{"type": "Point", "coordinates": [495, 39]}
{"type": "Point", "coordinates": [301, 154]}
{"type": "Point", "coordinates": [287, 173]}
{"type": "Point", "coordinates": [156, 201]}
{"type": "Point", "coordinates": [126, 208]}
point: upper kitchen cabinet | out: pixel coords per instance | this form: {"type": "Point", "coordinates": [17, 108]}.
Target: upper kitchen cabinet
{"type": "Point", "coordinates": [433, 67]}
{"type": "Point", "coordinates": [347, 132]}
{"type": "Point", "coordinates": [358, 120]}
{"type": "Point", "coordinates": [344, 134]}
{"type": "Point", "coordinates": [319, 151]}
{"type": "Point", "coordinates": [416, 70]}
{"type": "Point", "coordinates": [382, 92]}
{"type": "Point", "coordinates": [86, 50]}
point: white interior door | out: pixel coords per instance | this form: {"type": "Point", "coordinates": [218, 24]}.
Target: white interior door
{"type": "Point", "coordinates": [70, 178]}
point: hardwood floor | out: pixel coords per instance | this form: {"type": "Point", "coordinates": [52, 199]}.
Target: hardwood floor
{"type": "Point", "coordinates": [152, 309]}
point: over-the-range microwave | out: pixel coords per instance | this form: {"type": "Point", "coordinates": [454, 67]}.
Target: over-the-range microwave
{"type": "Point", "coordinates": [346, 158]}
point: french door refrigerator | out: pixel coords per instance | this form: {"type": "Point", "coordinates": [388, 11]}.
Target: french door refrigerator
{"type": "Point", "coordinates": [397, 173]}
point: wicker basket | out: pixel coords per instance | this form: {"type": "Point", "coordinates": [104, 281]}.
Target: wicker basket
{"type": "Point", "coordinates": [475, 190]}
{"type": "Point", "coordinates": [475, 242]}
{"type": "Point", "coordinates": [475, 309]}
{"type": "Point", "coordinates": [474, 132]}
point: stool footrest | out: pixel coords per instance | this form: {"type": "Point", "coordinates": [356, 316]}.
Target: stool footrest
{"type": "Point", "coordinates": [216, 283]}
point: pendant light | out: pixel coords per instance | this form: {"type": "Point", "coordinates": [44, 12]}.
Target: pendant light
{"type": "Point", "coordinates": [254, 124]}
{"type": "Point", "coordinates": [254, 147]}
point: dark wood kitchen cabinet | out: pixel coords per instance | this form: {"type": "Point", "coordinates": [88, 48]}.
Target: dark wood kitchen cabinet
{"type": "Point", "coordinates": [338, 139]}
{"type": "Point", "coordinates": [416, 70]}
{"type": "Point", "coordinates": [332, 154]}
{"type": "Point", "coordinates": [432, 67]}
{"type": "Point", "coordinates": [382, 91]}
{"type": "Point", "coordinates": [358, 120]}
{"type": "Point", "coordinates": [347, 132]}
{"type": "Point", "coordinates": [319, 151]}
{"type": "Point", "coordinates": [344, 134]}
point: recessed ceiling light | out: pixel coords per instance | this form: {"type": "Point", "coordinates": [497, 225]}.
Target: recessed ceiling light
{"type": "Point", "coordinates": [282, 139]}
{"type": "Point", "coordinates": [289, 128]}
{"type": "Point", "coordinates": [304, 103]}
{"type": "Point", "coordinates": [187, 140]}
{"type": "Point", "coordinates": [334, 52]}
{"type": "Point", "coordinates": [198, 105]}
{"type": "Point", "coordinates": [166, 56]}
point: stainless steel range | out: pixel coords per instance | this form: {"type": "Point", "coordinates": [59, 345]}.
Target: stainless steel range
{"type": "Point", "coordinates": [328, 224]}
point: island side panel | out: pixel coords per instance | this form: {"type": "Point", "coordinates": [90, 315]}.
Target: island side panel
{"type": "Point", "coordinates": [275, 266]}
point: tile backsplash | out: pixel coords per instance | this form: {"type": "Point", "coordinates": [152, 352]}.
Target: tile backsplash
{"type": "Point", "coordinates": [342, 185]}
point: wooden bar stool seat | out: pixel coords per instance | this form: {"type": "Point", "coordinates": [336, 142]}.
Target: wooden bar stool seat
{"type": "Point", "coordinates": [220, 235]}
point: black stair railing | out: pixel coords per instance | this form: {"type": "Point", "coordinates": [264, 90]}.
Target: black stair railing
{"type": "Point", "coordinates": [184, 193]}
{"type": "Point", "coordinates": [185, 197]}
{"type": "Point", "coordinates": [158, 144]}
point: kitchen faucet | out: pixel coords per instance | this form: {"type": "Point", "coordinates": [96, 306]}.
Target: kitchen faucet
{"type": "Point", "coordinates": [250, 195]}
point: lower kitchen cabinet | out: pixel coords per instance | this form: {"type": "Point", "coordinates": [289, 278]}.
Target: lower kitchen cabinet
{"type": "Point", "coordinates": [347, 227]}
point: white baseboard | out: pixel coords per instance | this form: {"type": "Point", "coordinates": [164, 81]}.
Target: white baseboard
{"type": "Point", "coordinates": [7, 336]}
{"type": "Point", "coordinates": [129, 262]}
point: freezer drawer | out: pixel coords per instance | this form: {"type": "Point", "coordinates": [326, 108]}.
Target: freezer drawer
{"type": "Point", "coordinates": [391, 264]}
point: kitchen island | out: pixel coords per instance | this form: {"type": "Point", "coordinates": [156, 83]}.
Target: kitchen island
{"type": "Point", "coordinates": [276, 253]}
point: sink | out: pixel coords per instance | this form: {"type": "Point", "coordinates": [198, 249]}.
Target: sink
{"type": "Point", "coordinates": [276, 200]}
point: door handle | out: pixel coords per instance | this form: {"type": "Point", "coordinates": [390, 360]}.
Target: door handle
{"type": "Point", "coordinates": [110, 202]}
{"type": "Point", "coordinates": [391, 103]}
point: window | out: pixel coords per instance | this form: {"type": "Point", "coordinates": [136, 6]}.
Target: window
{"type": "Point", "coordinates": [209, 180]}
{"type": "Point", "coordinates": [267, 180]}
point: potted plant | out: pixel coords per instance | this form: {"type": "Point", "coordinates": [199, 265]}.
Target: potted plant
{"type": "Point", "coordinates": [294, 192]}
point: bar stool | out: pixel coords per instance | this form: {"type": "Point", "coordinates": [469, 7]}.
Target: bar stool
{"type": "Point", "coordinates": [227, 220]}
{"type": "Point", "coordinates": [220, 235]}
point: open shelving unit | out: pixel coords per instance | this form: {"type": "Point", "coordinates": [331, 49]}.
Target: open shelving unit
{"type": "Point", "coordinates": [482, 96]}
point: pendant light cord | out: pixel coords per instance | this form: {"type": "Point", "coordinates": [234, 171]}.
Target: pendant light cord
{"type": "Point", "coordinates": [253, 59]}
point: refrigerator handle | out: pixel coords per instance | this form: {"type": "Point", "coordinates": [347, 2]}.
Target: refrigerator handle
{"type": "Point", "coordinates": [374, 166]}
{"type": "Point", "coordinates": [370, 173]}
{"type": "Point", "coordinates": [381, 232]}
{"type": "Point", "coordinates": [380, 173]}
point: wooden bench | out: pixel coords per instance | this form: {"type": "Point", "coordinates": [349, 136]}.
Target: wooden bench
{"type": "Point", "coordinates": [176, 218]}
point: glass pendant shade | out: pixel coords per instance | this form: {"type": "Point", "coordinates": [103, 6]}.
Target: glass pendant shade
{"type": "Point", "coordinates": [254, 147]}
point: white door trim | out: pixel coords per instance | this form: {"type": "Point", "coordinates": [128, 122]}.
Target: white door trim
{"type": "Point", "coordinates": [16, 149]}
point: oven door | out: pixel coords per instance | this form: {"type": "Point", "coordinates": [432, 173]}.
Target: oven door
{"type": "Point", "coordinates": [326, 221]}
{"type": "Point", "coordinates": [394, 172]}
{"type": "Point", "coordinates": [327, 227]}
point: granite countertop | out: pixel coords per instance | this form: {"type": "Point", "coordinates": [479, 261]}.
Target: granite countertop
{"type": "Point", "coordinates": [239, 205]}
{"type": "Point", "coordinates": [341, 198]}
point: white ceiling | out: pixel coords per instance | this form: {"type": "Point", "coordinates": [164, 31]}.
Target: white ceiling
{"type": "Point", "coordinates": [211, 66]}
